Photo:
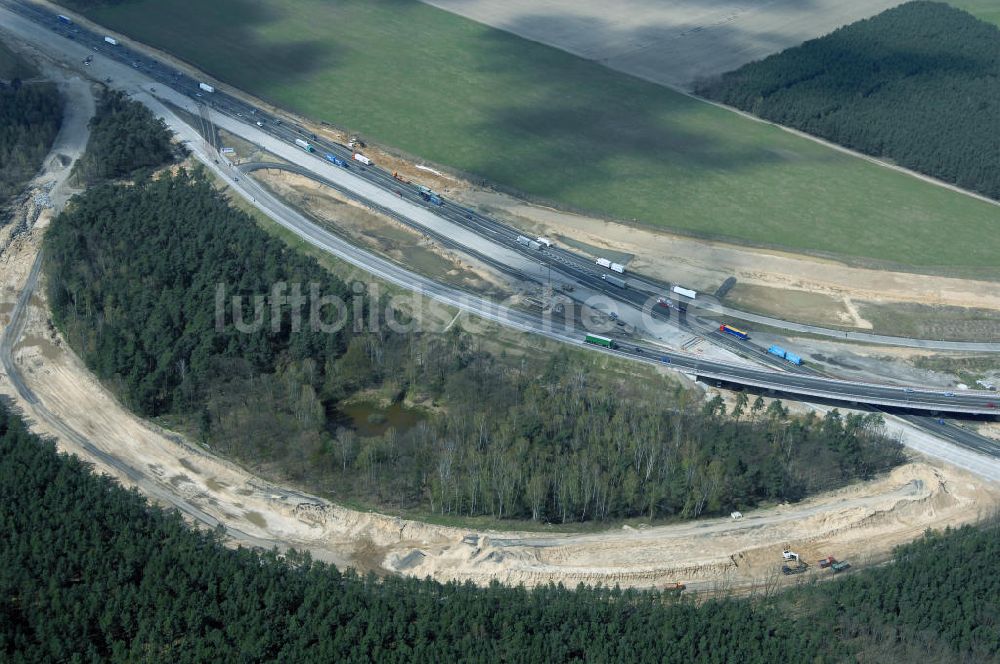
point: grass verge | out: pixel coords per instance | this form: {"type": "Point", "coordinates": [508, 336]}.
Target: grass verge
{"type": "Point", "coordinates": [986, 10]}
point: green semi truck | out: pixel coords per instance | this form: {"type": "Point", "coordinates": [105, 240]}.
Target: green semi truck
{"type": "Point", "coordinates": [600, 341]}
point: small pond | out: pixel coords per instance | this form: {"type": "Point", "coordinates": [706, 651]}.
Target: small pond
{"type": "Point", "coordinates": [369, 418]}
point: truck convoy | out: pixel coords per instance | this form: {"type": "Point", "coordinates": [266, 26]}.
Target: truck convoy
{"type": "Point", "coordinates": [600, 341]}
{"type": "Point", "coordinates": [206, 87]}
{"type": "Point", "coordinates": [363, 159]}
{"type": "Point", "coordinates": [614, 281]}
{"type": "Point", "coordinates": [614, 267]}
{"type": "Point", "coordinates": [111, 40]}
{"type": "Point", "coordinates": [335, 160]}
{"type": "Point", "coordinates": [736, 332]}
{"type": "Point", "coordinates": [304, 145]}
{"type": "Point", "coordinates": [784, 354]}
{"type": "Point", "coordinates": [686, 292]}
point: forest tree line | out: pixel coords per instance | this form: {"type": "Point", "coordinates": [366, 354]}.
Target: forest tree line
{"type": "Point", "coordinates": [89, 572]}
{"type": "Point", "coordinates": [30, 116]}
{"type": "Point", "coordinates": [132, 272]}
{"type": "Point", "coordinates": [916, 84]}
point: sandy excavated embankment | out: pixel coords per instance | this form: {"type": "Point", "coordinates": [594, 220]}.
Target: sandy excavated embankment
{"type": "Point", "coordinates": [860, 524]}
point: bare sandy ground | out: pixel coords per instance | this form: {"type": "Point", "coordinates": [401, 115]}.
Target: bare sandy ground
{"type": "Point", "coordinates": [672, 42]}
{"type": "Point", "coordinates": [859, 524]}
{"type": "Point", "coordinates": [383, 234]}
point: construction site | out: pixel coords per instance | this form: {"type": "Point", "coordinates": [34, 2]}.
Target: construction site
{"type": "Point", "coordinates": [819, 537]}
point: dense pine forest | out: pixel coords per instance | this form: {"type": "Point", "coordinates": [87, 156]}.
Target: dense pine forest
{"type": "Point", "coordinates": [30, 115]}
{"type": "Point", "coordinates": [917, 85]}
{"type": "Point", "coordinates": [133, 272]}
{"type": "Point", "coordinates": [125, 139]}
{"type": "Point", "coordinates": [90, 573]}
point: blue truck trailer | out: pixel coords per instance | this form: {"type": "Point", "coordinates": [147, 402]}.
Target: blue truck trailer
{"type": "Point", "coordinates": [785, 355]}
{"type": "Point", "coordinates": [334, 159]}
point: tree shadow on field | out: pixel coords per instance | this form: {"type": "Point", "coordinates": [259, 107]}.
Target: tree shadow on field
{"type": "Point", "coordinates": [671, 43]}
{"type": "Point", "coordinates": [581, 124]}
{"type": "Point", "coordinates": [223, 38]}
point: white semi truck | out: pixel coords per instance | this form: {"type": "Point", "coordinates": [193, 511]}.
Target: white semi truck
{"type": "Point", "coordinates": [614, 281]}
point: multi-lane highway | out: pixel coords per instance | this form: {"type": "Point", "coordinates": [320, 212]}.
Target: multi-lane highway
{"type": "Point", "coordinates": [801, 382]}
{"type": "Point", "coordinates": [509, 254]}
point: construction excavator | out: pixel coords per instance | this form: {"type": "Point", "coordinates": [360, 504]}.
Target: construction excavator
{"type": "Point", "coordinates": [797, 568]}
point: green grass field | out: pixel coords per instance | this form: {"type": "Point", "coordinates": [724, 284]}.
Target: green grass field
{"type": "Point", "coordinates": [987, 10]}
{"type": "Point", "coordinates": [563, 129]}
